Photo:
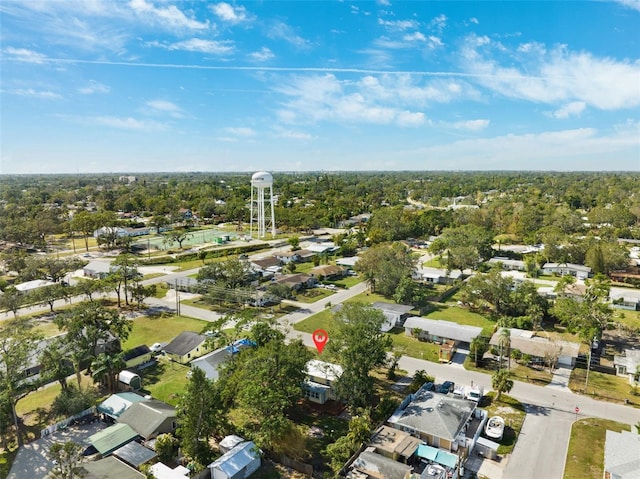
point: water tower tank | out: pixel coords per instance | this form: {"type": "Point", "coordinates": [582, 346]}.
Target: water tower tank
{"type": "Point", "coordinates": [262, 179]}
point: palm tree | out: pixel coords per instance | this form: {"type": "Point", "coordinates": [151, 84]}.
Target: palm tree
{"type": "Point", "coordinates": [106, 368]}
{"type": "Point", "coordinates": [501, 381]}
{"type": "Point", "coordinates": [477, 346]}
{"type": "Point", "coordinates": [504, 342]}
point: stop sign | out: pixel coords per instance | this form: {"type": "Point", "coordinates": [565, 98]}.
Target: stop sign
{"type": "Point", "coordinates": [577, 409]}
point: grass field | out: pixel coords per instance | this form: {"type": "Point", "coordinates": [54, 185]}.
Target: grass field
{"type": "Point", "coordinates": [410, 346]}
{"type": "Point", "coordinates": [585, 456]}
{"type": "Point", "coordinates": [323, 319]}
{"type": "Point", "coordinates": [603, 386]}
{"type": "Point", "coordinates": [165, 381]}
{"type": "Point", "coordinates": [148, 330]}
{"type": "Point", "coordinates": [460, 315]}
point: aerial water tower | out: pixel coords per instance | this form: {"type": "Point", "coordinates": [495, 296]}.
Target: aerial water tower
{"type": "Point", "coordinates": [261, 181]}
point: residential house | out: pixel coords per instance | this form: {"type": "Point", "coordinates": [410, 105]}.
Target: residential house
{"type": "Point", "coordinates": [394, 443]}
{"type": "Point", "coordinates": [508, 264]}
{"type": "Point", "coordinates": [622, 455]}
{"type": "Point", "coordinates": [296, 281]}
{"type": "Point", "coordinates": [97, 269]}
{"type": "Point", "coordinates": [138, 357]}
{"type": "Point", "coordinates": [321, 248]}
{"type": "Point", "coordinates": [108, 468]}
{"type": "Point", "coordinates": [161, 471]}
{"type": "Point", "coordinates": [328, 271]}
{"type": "Point", "coordinates": [395, 314]}
{"type": "Point", "coordinates": [150, 418]}
{"type": "Point", "coordinates": [578, 270]}
{"type": "Point", "coordinates": [319, 384]}
{"type": "Point", "coordinates": [623, 298]}
{"type": "Point", "coordinates": [305, 255]}
{"type": "Point", "coordinates": [348, 262]}
{"type": "Point", "coordinates": [286, 257]}
{"type": "Point", "coordinates": [28, 286]}
{"type": "Point", "coordinates": [112, 438]}
{"type": "Point", "coordinates": [628, 365]}
{"type": "Point", "coordinates": [576, 291]}
{"type": "Point", "coordinates": [229, 442]}
{"type": "Point", "coordinates": [430, 275]}
{"type": "Point", "coordinates": [116, 404]}
{"type": "Point", "coordinates": [439, 420]}
{"type": "Point", "coordinates": [210, 363]}
{"type": "Point", "coordinates": [267, 265]}
{"type": "Point", "coordinates": [134, 454]}
{"type": "Point", "coordinates": [355, 220]}
{"type": "Point", "coordinates": [446, 333]}
{"type": "Point", "coordinates": [368, 464]}
{"type": "Point", "coordinates": [541, 349]}
{"type": "Point", "coordinates": [186, 347]}
{"type": "Point", "coordinates": [239, 463]}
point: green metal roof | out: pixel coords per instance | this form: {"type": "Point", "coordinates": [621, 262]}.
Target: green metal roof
{"type": "Point", "coordinates": [112, 438]}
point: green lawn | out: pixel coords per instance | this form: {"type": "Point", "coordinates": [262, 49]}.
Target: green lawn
{"type": "Point", "coordinates": [513, 413]}
{"type": "Point", "coordinates": [630, 319]}
{"type": "Point", "coordinates": [585, 455]}
{"type": "Point", "coordinates": [312, 295]}
{"type": "Point", "coordinates": [604, 386]}
{"type": "Point", "coordinates": [435, 262]}
{"type": "Point", "coordinates": [165, 381]}
{"type": "Point", "coordinates": [460, 315]}
{"type": "Point", "coordinates": [148, 330]}
{"type": "Point", "coordinates": [322, 320]}
{"type": "Point", "coordinates": [410, 346]}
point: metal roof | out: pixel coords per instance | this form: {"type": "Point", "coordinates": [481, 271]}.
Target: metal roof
{"type": "Point", "coordinates": [112, 438]}
{"type": "Point", "coordinates": [134, 454]}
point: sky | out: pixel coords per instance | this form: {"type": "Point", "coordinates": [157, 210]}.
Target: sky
{"type": "Point", "coordinates": [182, 86]}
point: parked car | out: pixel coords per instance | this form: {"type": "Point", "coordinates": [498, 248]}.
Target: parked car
{"type": "Point", "coordinates": [156, 347]}
{"type": "Point", "coordinates": [447, 387]}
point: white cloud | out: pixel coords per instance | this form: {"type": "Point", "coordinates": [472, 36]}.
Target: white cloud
{"type": "Point", "coordinates": [170, 16]}
{"type": "Point", "coordinates": [565, 150]}
{"type": "Point", "coordinates": [414, 37]}
{"type": "Point", "coordinates": [127, 123]}
{"type": "Point", "coordinates": [439, 23]}
{"type": "Point", "coordinates": [474, 20]}
{"type": "Point", "coordinates": [633, 4]}
{"type": "Point", "coordinates": [165, 107]}
{"type": "Point", "coordinates": [25, 55]}
{"type": "Point", "coordinates": [94, 87]}
{"type": "Point", "coordinates": [240, 131]}
{"type": "Point", "coordinates": [213, 47]}
{"type": "Point", "coordinates": [230, 13]}
{"type": "Point", "coordinates": [293, 135]}
{"type": "Point", "coordinates": [281, 31]}
{"type": "Point", "coordinates": [555, 76]}
{"type": "Point", "coordinates": [262, 55]}
{"type": "Point", "coordinates": [30, 92]}
{"type": "Point", "coordinates": [384, 99]}
{"type": "Point", "coordinates": [570, 109]}
{"type": "Point", "coordinates": [471, 125]}
{"type": "Point", "coordinates": [398, 24]}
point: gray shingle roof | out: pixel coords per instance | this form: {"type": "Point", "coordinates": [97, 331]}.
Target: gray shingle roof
{"type": "Point", "coordinates": [444, 329]}
{"type": "Point", "coordinates": [622, 454]}
{"type": "Point", "coordinates": [184, 342]}
{"type": "Point", "coordinates": [435, 414]}
{"type": "Point", "coordinates": [147, 416]}
{"type": "Point", "coordinates": [392, 307]}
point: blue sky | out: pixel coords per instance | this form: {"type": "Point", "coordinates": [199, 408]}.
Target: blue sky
{"type": "Point", "coordinates": [168, 85]}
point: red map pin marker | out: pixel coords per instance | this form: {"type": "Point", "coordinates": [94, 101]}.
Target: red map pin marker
{"type": "Point", "coordinates": [320, 338]}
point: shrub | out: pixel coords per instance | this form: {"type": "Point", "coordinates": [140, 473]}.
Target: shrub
{"type": "Point", "coordinates": [72, 401]}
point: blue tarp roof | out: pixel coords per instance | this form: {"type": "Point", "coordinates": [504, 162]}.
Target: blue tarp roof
{"type": "Point", "coordinates": [437, 455]}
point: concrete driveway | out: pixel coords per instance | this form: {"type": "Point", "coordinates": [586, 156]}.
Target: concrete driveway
{"type": "Point", "coordinates": [32, 460]}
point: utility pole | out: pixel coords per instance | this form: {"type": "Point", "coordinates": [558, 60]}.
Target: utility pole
{"type": "Point", "coordinates": [586, 382]}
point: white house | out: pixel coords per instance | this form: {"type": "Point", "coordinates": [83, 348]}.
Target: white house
{"type": "Point", "coordinates": [578, 270]}
{"type": "Point", "coordinates": [628, 365]}
{"type": "Point", "coordinates": [435, 275]}
{"type": "Point", "coordinates": [621, 455]}
{"type": "Point", "coordinates": [395, 314]}
{"type": "Point", "coordinates": [321, 377]}
{"type": "Point", "coordinates": [239, 463]}
{"type": "Point", "coordinates": [508, 264]}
